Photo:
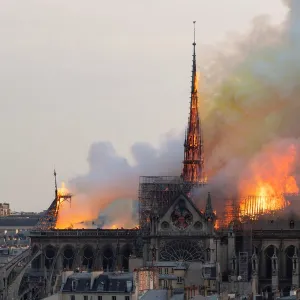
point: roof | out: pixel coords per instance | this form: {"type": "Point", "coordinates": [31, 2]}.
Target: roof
{"type": "Point", "coordinates": [18, 221]}
{"type": "Point", "coordinates": [167, 276]}
{"type": "Point", "coordinates": [178, 297]}
{"type": "Point", "coordinates": [176, 265]}
{"type": "Point", "coordinates": [178, 291]}
{"type": "Point", "coordinates": [155, 295]}
{"type": "Point", "coordinates": [105, 282]}
{"type": "Point", "coordinates": [81, 275]}
{"type": "Point", "coordinates": [53, 297]}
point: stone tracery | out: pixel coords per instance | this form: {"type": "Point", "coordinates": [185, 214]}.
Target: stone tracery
{"type": "Point", "coordinates": [181, 250]}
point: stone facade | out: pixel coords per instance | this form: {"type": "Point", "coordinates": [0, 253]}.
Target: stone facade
{"type": "Point", "coordinates": [253, 257]}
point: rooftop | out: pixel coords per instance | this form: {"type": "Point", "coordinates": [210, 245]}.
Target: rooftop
{"type": "Point", "coordinates": [18, 221]}
{"type": "Point", "coordinates": [176, 265]}
{"type": "Point", "coordinates": [155, 295]}
{"type": "Point", "coordinates": [105, 282]}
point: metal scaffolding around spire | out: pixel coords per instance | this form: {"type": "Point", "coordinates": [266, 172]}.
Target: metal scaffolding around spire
{"type": "Point", "coordinates": [193, 164]}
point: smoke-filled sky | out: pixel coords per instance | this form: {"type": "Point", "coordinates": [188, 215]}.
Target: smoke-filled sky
{"type": "Point", "coordinates": [75, 73]}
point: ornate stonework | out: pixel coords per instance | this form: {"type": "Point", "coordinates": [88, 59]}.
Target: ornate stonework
{"type": "Point", "coordinates": [181, 217]}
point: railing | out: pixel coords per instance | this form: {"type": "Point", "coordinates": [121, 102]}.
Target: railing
{"type": "Point", "coordinates": [178, 233]}
{"type": "Point", "coordinates": [86, 233]}
{"type": "Point", "coordinates": [275, 233]}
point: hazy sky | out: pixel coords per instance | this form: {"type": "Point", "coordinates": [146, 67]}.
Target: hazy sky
{"type": "Point", "coordinates": [77, 72]}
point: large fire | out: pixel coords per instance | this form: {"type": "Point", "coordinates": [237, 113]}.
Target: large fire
{"type": "Point", "coordinates": [269, 177]}
{"type": "Point", "coordinates": [73, 215]}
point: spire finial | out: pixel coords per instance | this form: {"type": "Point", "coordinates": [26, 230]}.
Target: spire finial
{"type": "Point", "coordinates": [55, 184]}
{"type": "Point", "coordinates": [194, 33]}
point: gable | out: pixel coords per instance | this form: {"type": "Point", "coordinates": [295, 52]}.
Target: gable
{"type": "Point", "coordinates": [183, 215]}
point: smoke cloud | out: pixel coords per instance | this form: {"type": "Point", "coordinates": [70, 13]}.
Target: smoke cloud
{"type": "Point", "coordinates": [111, 185]}
{"type": "Point", "coordinates": [250, 106]}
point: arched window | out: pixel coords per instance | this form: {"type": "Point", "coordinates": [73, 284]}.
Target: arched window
{"type": "Point", "coordinates": [292, 224]}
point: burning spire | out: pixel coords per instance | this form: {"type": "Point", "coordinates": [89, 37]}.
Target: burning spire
{"type": "Point", "coordinates": [193, 164]}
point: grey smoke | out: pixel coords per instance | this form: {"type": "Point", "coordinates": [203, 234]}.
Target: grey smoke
{"type": "Point", "coordinates": [111, 182]}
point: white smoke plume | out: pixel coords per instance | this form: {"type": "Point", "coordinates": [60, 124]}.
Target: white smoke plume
{"type": "Point", "coordinates": [112, 183]}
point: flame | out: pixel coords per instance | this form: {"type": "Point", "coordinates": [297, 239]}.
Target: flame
{"type": "Point", "coordinates": [75, 216]}
{"type": "Point", "coordinates": [62, 191]}
{"type": "Point", "coordinates": [196, 82]}
{"type": "Point", "coordinates": [120, 226]}
{"type": "Point", "coordinates": [270, 178]}
{"type": "Point", "coordinates": [217, 224]}
{"type": "Point", "coordinates": [62, 222]}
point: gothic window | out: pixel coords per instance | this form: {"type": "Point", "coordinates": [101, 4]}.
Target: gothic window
{"type": "Point", "coordinates": [181, 216]}
{"type": "Point", "coordinates": [68, 257]}
{"type": "Point", "coordinates": [289, 261]}
{"type": "Point", "coordinates": [108, 259]}
{"type": "Point", "coordinates": [182, 250]}
{"type": "Point", "coordinates": [88, 256]}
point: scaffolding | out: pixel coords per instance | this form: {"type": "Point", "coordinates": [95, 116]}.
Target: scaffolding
{"type": "Point", "coordinates": [159, 192]}
{"type": "Point", "coordinates": [231, 213]}
{"type": "Point", "coordinates": [49, 219]}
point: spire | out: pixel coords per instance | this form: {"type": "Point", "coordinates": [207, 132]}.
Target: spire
{"type": "Point", "coordinates": [209, 213]}
{"type": "Point", "coordinates": [193, 164]}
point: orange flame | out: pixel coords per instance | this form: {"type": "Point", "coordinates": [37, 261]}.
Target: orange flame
{"type": "Point", "coordinates": [77, 216]}
{"type": "Point", "coordinates": [217, 224]}
{"type": "Point", "coordinates": [62, 191]}
{"type": "Point", "coordinates": [196, 82]}
{"type": "Point", "coordinates": [270, 178]}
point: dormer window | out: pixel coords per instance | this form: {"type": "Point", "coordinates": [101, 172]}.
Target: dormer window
{"type": "Point", "coordinates": [100, 287]}
{"type": "Point", "coordinates": [74, 285]}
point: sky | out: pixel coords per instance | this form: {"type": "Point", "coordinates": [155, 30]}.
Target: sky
{"type": "Point", "coordinates": [76, 72]}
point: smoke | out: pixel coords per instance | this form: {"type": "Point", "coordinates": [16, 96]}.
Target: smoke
{"type": "Point", "coordinates": [251, 91]}
{"type": "Point", "coordinates": [111, 184]}
{"type": "Point", "coordinates": [250, 104]}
